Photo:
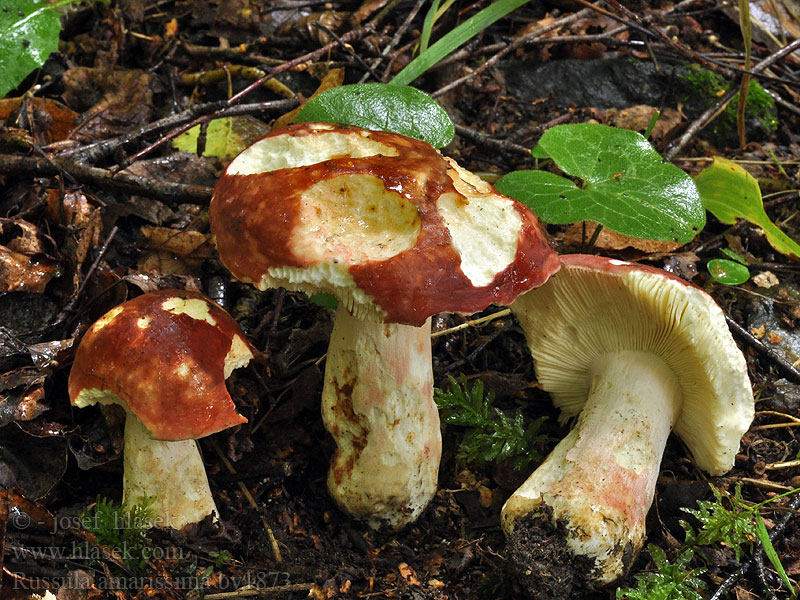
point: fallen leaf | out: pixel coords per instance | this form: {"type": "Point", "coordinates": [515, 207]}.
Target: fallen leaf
{"type": "Point", "coordinates": [334, 78]}
{"type": "Point", "coordinates": [52, 120]}
{"type": "Point", "coordinates": [183, 243]}
{"type": "Point", "coordinates": [20, 273]}
{"type": "Point", "coordinates": [610, 240]}
{"type": "Point", "coordinates": [408, 574]}
{"type": "Point", "coordinates": [765, 279]}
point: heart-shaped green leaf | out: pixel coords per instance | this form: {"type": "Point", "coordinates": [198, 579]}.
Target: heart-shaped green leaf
{"type": "Point", "coordinates": [28, 35]}
{"type": "Point", "coordinates": [730, 193]}
{"type": "Point", "coordinates": [625, 184]}
{"type": "Point", "coordinates": [727, 271]}
{"type": "Point", "coordinates": [379, 106]}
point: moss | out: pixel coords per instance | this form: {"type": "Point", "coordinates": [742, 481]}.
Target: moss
{"type": "Point", "coordinates": [704, 87]}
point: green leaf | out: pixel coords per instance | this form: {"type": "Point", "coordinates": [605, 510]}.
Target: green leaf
{"type": "Point", "coordinates": [324, 300]}
{"type": "Point", "coordinates": [728, 272]}
{"type": "Point", "coordinates": [733, 255]}
{"type": "Point", "coordinates": [729, 192]}
{"type": "Point", "coordinates": [28, 35]}
{"type": "Point", "coordinates": [225, 137]}
{"type": "Point", "coordinates": [379, 106]}
{"type": "Point", "coordinates": [455, 38]}
{"type": "Point", "coordinates": [625, 184]}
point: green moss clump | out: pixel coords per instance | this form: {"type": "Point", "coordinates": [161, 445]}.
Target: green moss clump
{"type": "Point", "coordinates": [704, 87]}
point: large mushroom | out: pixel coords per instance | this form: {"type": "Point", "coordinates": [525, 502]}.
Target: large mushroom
{"type": "Point", "coordinates": [397, 233]}
{"type": "Point", "coordinates": [634, 352]}
{"type": "Point", "coordinates": [163, 357]}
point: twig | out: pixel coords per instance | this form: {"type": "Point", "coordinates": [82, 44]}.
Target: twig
{"type": "Point", "coordinates": [393, 42]}
{"type": "Point", "coordinates": [276, 551]}
{"type": "Point", "coordinates": [762, 576]}
{"type": "Point", "coordinates": [474, 322]}
{"type": "Point", "coordinates": [167, 191]}
{"type": "Point", "coordinates": [518, 42]}
{"type": "Point", "coordinates": [786, 369]}
{"type": "Point", "coordinates": [712, 111]}
{"type": "Point", "coordinates": [491, 142]}
{"type": "Point", "coordinates": [247, 592]}
{"type": "Point", "coordinates": [308, 57]}
{"type": "Point", "coordinates": [93, 152]}
{"type": "Point", "coordinates": [69, 309]}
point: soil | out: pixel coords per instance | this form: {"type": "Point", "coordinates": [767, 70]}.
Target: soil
{"type": "Point", "coordinates": [77, 240]}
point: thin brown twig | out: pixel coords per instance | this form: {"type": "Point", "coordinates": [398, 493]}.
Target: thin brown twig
{"type": "Point", "coordinates": [518, 42]}
{"type": "Point", "coordinates": [95, 151]}
{"type": "Point", "coordinates": [491, 142]}
{"type": "Point", "coordinates": [713, 110]}
{"type": "Point", "coordinates": [308, 57]}
{"type": "Point", "coordinates": [167, 191]}
{"type": "Point", "coordinates": [276, 551]}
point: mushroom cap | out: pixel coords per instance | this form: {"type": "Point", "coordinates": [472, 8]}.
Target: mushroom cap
{"type": "Point", "coordinates": [382, 221]}
{"type": "Point", "coordinates": [596, 305]}
{"type": "Point", "coordinates": [164, 355]}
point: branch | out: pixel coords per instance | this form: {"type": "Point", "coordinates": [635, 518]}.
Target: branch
{"type": "Point", "coordinates": [167, 191]}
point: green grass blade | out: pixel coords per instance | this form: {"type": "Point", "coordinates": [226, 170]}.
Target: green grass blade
{"type": "Point", "coordinates": [450, 41]}
{"type": "Point", "coordinates": [772, 555]}
{"type": "Point", "coordinates": [427, 26]}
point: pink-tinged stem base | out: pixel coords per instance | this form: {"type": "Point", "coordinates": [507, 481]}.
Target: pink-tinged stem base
{"type": "Point", "coordinates": [377, 403]}
{"type": "Point", "coordinates": [600, 480]}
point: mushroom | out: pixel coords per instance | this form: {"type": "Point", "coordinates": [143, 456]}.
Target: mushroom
{"type": "Point", "coordinates": [397, 233]}
{"type": "Point", "coordinates": [163, 357]}
{"type": "Point", "coordinates": [634, 352]}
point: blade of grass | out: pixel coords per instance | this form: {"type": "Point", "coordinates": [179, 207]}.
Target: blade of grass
{"type": "Point", "coordinates": [452, 40]}
{"type": "Point", "coordinates": [744, 86]}
{"type": "Point", "coordinates": [772, 555]}
{"type": "Point", "coordinates": [427, 26]}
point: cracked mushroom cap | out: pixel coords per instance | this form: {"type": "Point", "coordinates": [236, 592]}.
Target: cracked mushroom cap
{"type": "Point", "coordinates": [382, 221]}
{"type": "Point", "coordinates": [597, 305]}
{"type": "Point", "coordinates": [165, 355]}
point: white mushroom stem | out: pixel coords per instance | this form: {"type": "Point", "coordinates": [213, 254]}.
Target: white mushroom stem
{"type": "Point", "coordinates": [377, 403]}
{"type": "Point", "coordinates": [172, 474]}
{"type": "Point", "coordinates": [600, 480]}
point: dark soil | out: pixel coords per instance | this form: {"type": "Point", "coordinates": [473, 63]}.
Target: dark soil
{"type": "Point", "coordinates": [76, 242]}
{"type": "Point", "coordinates": [543, 563]}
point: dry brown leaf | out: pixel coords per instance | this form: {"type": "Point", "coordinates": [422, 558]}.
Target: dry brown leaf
{"type": "Point", "coordinates": [52, 120]}
{"type": "Point", "coordinates": [610, 240]}
{"type": "Point", "coordinates": [334, 78]}
{"type": "Point", "coordinates": [117, 101]}
{"type": "Point", "coordinates": [21, 273]}
{"type": "Point", "coordinates": [408, 574]}
{"type": "Point", "coordinates": [637, 118]}
{"type": "Point", "coordinates": [183, 243]}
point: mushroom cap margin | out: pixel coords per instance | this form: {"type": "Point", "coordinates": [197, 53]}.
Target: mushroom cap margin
{"type": "Point", "coordinates": [596, 305]}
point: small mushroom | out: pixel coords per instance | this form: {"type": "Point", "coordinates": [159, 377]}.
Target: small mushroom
{"type": "Point", "coordinates": [397, 233]}
{"type": "Point", "coordinates": [633, 352]}
{"type": "Point", "coordinates": [163, 357]}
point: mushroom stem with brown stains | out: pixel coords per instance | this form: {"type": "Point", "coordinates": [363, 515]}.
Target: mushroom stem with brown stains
{"type": "Point", "coordinates": [600, 479]}
{"type": "Point", "coordinates": [377, 403]}
{"type": "Point", "coordinates": [170, 474]}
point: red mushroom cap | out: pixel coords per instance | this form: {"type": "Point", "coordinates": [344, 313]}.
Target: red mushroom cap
{"type": "Point", "coordinates": [166, 355]}
{"type": "Point", "coordinates": [316, 195]}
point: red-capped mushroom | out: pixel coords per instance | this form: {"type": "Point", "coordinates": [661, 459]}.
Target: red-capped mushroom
{"type": "Point", "coordinates": [164, 357]}
{"type": "Point", "coordinates": [634, 352]}
{"type": "Point", "coordinates": [397, 233]}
